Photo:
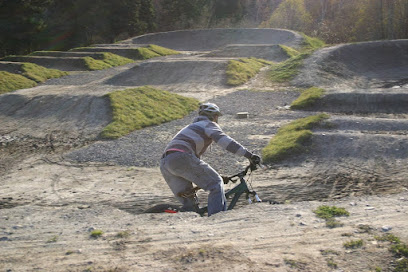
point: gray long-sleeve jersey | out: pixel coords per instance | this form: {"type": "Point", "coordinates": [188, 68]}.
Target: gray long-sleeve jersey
{"type": "Point", "coordinates": [197, 136]}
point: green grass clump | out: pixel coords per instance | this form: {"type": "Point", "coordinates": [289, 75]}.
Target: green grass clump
{"type": "Point", "coordinates": [307, 98]}
{"type": "Point", "coordinates": [289, 51]}
{"type": "Point", "coordinates": [96, 233]}
{"type": "Point", "coordinates": [353, 244]}
{"type": "Point", "coordinates": [240, 71]}
{"type": "Point", "coordinates": [93, 64]}
{"type": "Point", "coordinates": [146, 53]}
{"type": "Point", "coordinates": [11, 82]}
{"type": "Point", "coordinates": [290, 138]}
{"type": "Point", "coordinates": [144, 106]}
{"type": "Point", "coordinates": [287, 70]}
{"type": "Point", "coordinates": [311, 43]}
{"type": "Point", "coordinates": [327, 212]}
{"type": "Point", "coordinates": [162, 51]}
{"type": "Point", "coordinates": [39, 73]}
{"type": "Point", "coordinates": [115, 60]}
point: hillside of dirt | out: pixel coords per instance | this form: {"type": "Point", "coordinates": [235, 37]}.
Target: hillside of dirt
{"type": "Point", "coordinates": [59, 182]}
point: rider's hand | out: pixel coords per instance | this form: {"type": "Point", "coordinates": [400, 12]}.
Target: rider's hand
{"type": "Point", "coordinates": [255, 159]}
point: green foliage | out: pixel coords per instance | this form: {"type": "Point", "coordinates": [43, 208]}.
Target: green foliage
{"type": "Point", "coordinates": [402, 266]}
{"type": "Point", "coordinates": [96, 233]}
{"type": "Point", "coordinates": [389, 237]}
{"type": "Point", "coordinates": [144, 106]}
{"type": "Point", "coordinates": [240, 71]}
{"type": "Point", "coordinates": [307, 98]}
{"type": "Point", "coordinates": [39, 73]}
{"type": "Point", "coordinates": [290, 139]}
{"type": "Point", "coordinates": [400, 249]}
{"type": "Point", "coordinates": [327, 212]}
{"type": "Point", "coordinates": [353, 244]}
{"type": "Point", "coordinates": [333, 223]}
{"type": "Point", "coordinates": [11, 82]}
{"type": "Point", "coordinates": [287, 70]}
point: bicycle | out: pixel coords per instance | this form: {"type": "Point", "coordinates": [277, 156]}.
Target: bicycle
{"type": "Point", "coordinates": [234, 194]}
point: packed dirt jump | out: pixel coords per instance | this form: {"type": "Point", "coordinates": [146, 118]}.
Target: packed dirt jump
{"type": "Point", "coordinates": [60, 182]}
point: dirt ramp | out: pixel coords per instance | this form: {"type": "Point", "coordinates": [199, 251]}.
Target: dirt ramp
{"type": "Point", "coordinates": [187, 75]}
{"type": "Point", "coordinates": [364, 65]}
{"type": "Point", "coordinates": [60, 63]}
{"type": "Point", "coordinates": [38, 115]}
{"type": "Point", "coordinates": [211, 39]}
{"type": "Point", "coordinates": [272, 52]}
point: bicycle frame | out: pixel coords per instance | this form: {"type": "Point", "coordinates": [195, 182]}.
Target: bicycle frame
{"type": "Point", "coordinates": [235, 192]}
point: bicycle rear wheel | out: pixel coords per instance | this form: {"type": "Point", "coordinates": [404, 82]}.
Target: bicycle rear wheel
{"type": "Point", "coordinates": [164, 208]}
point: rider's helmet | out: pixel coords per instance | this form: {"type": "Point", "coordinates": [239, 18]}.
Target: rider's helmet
{"type": "Point", "coordinates": [210, 110]}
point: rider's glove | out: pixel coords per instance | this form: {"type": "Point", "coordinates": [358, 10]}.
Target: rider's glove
{"type": "Point", "coordinates": [255, 159]}
{"type": "Point", "coordinates": [225, 179]}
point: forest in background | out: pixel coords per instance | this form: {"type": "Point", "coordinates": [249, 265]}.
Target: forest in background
{"type": "Point", "coordinates": [30, 25]}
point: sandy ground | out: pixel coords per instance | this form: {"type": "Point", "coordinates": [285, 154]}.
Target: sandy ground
{"type": "Point", "coordinates": [51, 200]}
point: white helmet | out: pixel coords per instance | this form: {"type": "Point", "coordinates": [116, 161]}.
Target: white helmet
{"type": "Point", "coordinates": [209, 109]}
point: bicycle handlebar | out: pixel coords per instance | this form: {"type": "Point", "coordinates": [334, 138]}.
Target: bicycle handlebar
{"type": "Point", "coordinates": [243, 173]}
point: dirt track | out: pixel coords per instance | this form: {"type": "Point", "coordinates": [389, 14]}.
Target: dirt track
{"type": "Point", "coordinates": [57, 184]}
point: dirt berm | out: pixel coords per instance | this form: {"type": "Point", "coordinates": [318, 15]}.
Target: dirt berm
{"type": "Point", "coordinates": [59, 183]}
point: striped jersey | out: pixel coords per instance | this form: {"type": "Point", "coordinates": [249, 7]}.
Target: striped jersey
{"type": "Point", "coordinates": [198, 136]}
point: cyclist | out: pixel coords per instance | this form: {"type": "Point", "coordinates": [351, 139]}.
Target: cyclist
{"type": "Point", "coordinates": [181, 164]}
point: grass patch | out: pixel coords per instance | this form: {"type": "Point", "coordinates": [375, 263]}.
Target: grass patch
{"type": "Point", "coordinates": [96, 233]}
{"type": "Point", "coordinates": [290, 138]}
{"type": "Point", "coordinates": [93, 64]}
{"type": "Point", "coordinates": [287, 70]}
{"type": "Point", "coordinates": [11, 82]}
{"type": "Point", "coordinates": [242, 70]}
{"type": "Point", "coordinates": [290, 52]}
{"type": "Point", "coordinates": [327, 212]}
{"type": "Point", "coordinates": [307, 98]}
{"type": "Point", "coordinates": [399, 249]}
{"type": "Point", "coordinates": [162, 51]}
{"type": "Point", "coordinates": [144, 106]}
{"type": "Point", "coordinates": [39, 73]}
{"type": "Point", "coordinates": [353, 244]}
{"type": "Point", "coordinates": [146, 53]}
{"type": "Point", "coordinates": [311, 44]}
{"type": "Point", "coordinates": [115, 60]}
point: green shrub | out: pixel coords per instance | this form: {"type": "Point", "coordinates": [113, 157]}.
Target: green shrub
{"type": "Point", "coordinates": [11, 82]}
{"type": "Point", "coordinates": [144, 106]}
{"type": "Point", "coordinates": [39, 73]}
{"type": "Point", "coordinates": [353, 244]}
{"type": "Point", "coordinates": [327, 212]}
{"type": "Point", "coordinates": [307, 98]}
{"type": "Point", "coordinates": [290, 139]}
{"type": "Point", "coordinates": [96, 233]}
{"type": "Point", "coordinates": [242, 70]}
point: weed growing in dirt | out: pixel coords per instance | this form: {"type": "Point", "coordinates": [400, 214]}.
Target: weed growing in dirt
{"type": "Point", "coordinates": [327, 212]}
{"type": "Point", "coordinates": [353, 244]}
{"type": "Point", "coordinates": [307, 98]}
{"type": "Point", "coordinates": [399, 249]}
{"type": "Point", "coordinates": [11, 82]}
{"type": "Point", "coordinates": [331, 263]}
{"type": "Point", "coordinates": [96, 233]}
{"type": "Point", "coordinates": [242, 70]}
{"type": "Point", "coordinates": [144, 106]}
{"type": "Point", "coordinates": [53, 239]}
{"type": "Point", "coordinates": [39, 73]}
{"type": "Point", "coordinates": [123, 234]}
{"type": "Point", "coordinates": [290, 139]}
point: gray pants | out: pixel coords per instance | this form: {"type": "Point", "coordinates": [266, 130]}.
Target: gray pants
{"type": "Point", "coordinates": [181, 169]}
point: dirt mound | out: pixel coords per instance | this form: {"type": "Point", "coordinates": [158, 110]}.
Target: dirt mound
{"type": "Point", "coordinates": [210, 39]}
{"type": "Point", "coordinates": [268, 52]}
{"type": "Point", "coordinates": [361, 65]}
{"type": "Point", "coordinates": [60, 63]}
{"type": "Point", "coordinates": [185, 75]}
{"type": "Point", "coordinates": [43, 114]}
{"type": "Point", "coordinates": [11, 67]}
